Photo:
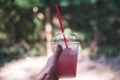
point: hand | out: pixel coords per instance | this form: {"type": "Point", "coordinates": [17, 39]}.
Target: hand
{"type": "Point", "coordinates": [48, 72]}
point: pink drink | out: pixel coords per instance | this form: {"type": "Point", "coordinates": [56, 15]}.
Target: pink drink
{"type": "Point", "coordinates": [67, 64]}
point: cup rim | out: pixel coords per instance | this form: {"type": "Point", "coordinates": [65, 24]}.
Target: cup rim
{"type": "Point", "coordinates": [74, 42]}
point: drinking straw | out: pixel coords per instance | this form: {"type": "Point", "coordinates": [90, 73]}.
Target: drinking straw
{"type": "Point", "coordinates": [61, 26]}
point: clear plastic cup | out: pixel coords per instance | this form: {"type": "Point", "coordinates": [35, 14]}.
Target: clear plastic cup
{"type": "Point", "coordinates": [67, 63]}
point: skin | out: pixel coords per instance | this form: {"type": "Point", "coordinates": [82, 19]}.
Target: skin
{"type": "Point", "coordinates": [48, 72]}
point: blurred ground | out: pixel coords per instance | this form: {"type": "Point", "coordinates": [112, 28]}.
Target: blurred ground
{"type": "Point", "coordinates": [97, 69]}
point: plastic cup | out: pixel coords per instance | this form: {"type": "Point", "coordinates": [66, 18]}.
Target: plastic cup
{"type": "Point", "coordinates": [67, 63]}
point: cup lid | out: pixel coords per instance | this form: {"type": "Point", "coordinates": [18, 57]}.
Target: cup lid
{"type": "Point", "coordinates": [70, 37]}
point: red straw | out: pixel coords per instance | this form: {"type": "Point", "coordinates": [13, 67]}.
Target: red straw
{"type": "Point", "coordinates": [61, 26]}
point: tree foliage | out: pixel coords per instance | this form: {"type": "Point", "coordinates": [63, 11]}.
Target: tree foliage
{"type": "Point", "coordinates": [87, 18]}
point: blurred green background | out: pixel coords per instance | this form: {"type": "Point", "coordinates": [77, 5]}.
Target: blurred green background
{"type": "Point", "coordinates": [23, 31]}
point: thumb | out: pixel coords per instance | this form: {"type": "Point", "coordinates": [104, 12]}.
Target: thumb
{"type": "Point", "coordinates": [57, 52]}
